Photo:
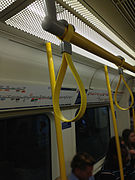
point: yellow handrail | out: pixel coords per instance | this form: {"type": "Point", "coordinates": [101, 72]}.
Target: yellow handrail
{"type": "Point", "coordinates": [57, 120]}
{"type": "Point", "coordinates": [114, 123]}
{"type": "Point", "coordinates": [116, 91]}
{"type": "Point", "coordinates": [91, 47]}
{"type": "Point", "coordinates": [56, 87]}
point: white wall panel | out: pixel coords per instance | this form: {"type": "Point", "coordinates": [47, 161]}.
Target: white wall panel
{"type": "Point", "coordinates": [23, 63]}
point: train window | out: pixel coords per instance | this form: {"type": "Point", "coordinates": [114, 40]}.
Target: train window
{"type": "Point", "coordinates": [25, 148]}
{"type": "Point", "coordinates": [93, 132]}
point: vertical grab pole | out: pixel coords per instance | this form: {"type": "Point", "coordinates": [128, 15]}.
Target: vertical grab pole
{"type": "Point", "coordinates": [114, 123]}
{"type": "Point", "coordinates": [57, 121]}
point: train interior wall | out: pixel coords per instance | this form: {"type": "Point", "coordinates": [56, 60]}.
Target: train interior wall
{"type": "Point", "coordinates": [27, 65]}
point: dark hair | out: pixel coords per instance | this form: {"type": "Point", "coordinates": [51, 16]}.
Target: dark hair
{"type": "Point", "coordinates": [125, 135]}
{"type": "Point", "coordinates": [81, 161]}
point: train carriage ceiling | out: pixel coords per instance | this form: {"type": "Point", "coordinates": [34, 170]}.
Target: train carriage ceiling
{"type": "Point", "coordinates": [119, 15]}
{"type": "Point", "coordinates": [107, 20]}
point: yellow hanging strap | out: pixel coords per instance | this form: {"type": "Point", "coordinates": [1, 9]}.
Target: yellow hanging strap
{"type": "Point", "coordinates": [67, 61]}
{"type": "Point", "coordinates": [56, 87]}
{"type": "Point", "coordinates": [57, 120]}
{"type": "Point", "coordinates": [116, 91]}
{"type": "Point", "coordinates": [114, 123]}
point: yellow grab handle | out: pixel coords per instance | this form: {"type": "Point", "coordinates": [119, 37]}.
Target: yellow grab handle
{"type": "Point", "coordinates": [57, 120]}
{"type": "Point", "coordinates": [66, 60]}
{"type": "Point", "coordinates": [56, 87]}
{"type": "Point", "coordinates": [114, 123]}
{"type": "Point", "coordinates": [51, 66]}
{"type": "Point", "coordinates": [116, 91]}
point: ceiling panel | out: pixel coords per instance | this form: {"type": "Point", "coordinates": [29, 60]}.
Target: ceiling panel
{"type": "Point", "coordinates": [5, 3]}
{"type": "Point", "coordinates": [114, 19]}
{"type": "Point", "coordinates": [30, 19]}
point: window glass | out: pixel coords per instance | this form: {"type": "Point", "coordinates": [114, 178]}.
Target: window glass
{"type": "Point", "coordinates": [25, 151]}
{"type": "Point", "coordinates": [93, 132]}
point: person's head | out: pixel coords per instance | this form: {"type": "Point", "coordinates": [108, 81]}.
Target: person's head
{"type": "Point", "coordinates": [112, 156]}
{"type": "Point", "coordinates": [82, 165]}
{"type": "Point", "coordinates": [128, 136]}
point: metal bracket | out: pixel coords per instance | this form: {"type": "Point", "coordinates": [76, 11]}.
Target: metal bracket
{"type": "Point", "coordinates": [66, 47]}
{"type": "Point", "coordinates": [120, 70]}
{"type": "Point", "coordinates": [50, 22]}
{"type": "Point", "coordinates": [122, 59]}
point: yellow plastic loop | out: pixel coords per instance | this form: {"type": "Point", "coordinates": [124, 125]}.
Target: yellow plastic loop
{"type": "Point", "coordinates": [116, 91]}
{"type": "Point", "coordinates": [66, 60]}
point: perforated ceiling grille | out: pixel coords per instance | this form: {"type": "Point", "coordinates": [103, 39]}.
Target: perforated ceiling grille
{"type": "Point", "coordinates": [127, 9]}
{"type": "Point", "coordinates": [30, 19]}
{"type": "Point", "coordinates": [5, 3]}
